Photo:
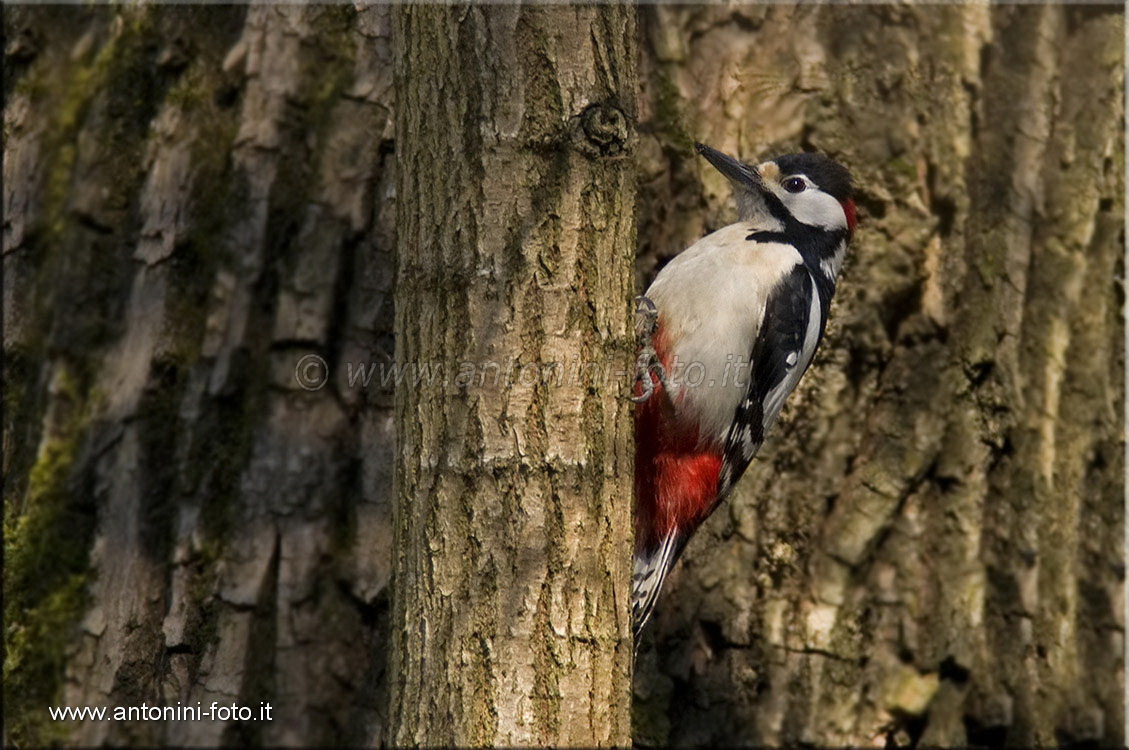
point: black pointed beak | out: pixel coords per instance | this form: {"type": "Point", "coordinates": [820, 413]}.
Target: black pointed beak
{"type": "Point", "coordinates": [737, 171]}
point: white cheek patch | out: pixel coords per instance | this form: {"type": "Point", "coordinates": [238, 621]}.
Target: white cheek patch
{"type": "Point", "coordinates": [815, 208]}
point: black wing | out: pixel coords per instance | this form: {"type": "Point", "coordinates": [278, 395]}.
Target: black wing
{"type": "Point", "coordinates": [777, 352]}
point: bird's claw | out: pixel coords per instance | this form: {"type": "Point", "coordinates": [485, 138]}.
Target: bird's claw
{"type": "Point", "coordinates": [646, 321]}
{"type": "Point", "coordinates": [646, 364]}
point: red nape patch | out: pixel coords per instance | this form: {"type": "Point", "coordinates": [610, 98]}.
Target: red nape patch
{"type": "Point", "coordinates": [852, 215]}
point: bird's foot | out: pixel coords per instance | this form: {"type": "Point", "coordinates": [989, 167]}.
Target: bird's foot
{"type": "Point", "coordinates": [647, 363]}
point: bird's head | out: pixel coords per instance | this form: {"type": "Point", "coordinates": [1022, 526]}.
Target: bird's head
{"type": "Point", "coordinates": [811, 189]}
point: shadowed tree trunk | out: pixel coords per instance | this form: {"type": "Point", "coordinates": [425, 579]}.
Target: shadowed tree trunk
{"type": "Point", "coordinates": [929, 547]}
{"type": "Point", "coordinates": [196, 198]}
{"type": "Point", "coordinates": [513, 515]}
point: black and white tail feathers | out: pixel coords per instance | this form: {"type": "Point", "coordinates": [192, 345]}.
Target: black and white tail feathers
{"type": "Point", "coordinates": [651, 567]}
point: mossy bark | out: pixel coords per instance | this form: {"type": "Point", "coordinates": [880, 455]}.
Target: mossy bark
{"type": "Point", "coordinates": [513, 522]}
{"type": "Point", "coordinates": [929, 547]}
{"type": "Point", "coordinates": [195, 198]}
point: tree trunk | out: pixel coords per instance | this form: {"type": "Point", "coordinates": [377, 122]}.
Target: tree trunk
{"type": "Point", "coordinates": [196, 199]}
{"type": "Point", "coordinates": [929, 547]}
{"type": "Point", "coordinates": [513, 515]}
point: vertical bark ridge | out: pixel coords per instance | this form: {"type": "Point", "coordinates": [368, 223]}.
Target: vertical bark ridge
{"type": "Point", "coordinates": [516, 220]}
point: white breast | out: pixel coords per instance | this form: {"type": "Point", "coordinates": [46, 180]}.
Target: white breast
{"type": "Point", "coordinates": [711, 300]}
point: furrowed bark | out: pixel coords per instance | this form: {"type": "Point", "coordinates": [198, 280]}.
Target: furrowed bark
{"type": "Point", "coordinates": [516, 233]}
{"type": "Point", "coordinates": [929, 547]}
{"type": "Point", "coordinates": [195, 198]}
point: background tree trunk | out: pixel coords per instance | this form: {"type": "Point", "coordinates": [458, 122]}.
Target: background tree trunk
{"type": "Point", "coordinates": [517, 232]}
{"type": "Point", "coordinates": [929, 547]}
{"type": "Point", "coordinates": [195, 199]}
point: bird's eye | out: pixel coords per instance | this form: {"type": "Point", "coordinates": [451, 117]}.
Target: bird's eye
{"type": "Point", "coordinates": [794, 184]}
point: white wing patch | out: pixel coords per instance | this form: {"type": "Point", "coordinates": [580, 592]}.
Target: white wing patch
{"type": "Point", "coordinates": [797, 362]}
{"type": "Point", "coordinates": [789, 352]}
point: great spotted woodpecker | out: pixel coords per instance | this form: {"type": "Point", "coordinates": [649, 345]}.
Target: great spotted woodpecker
{"type": "Point", "coordinates": [730, 326]}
